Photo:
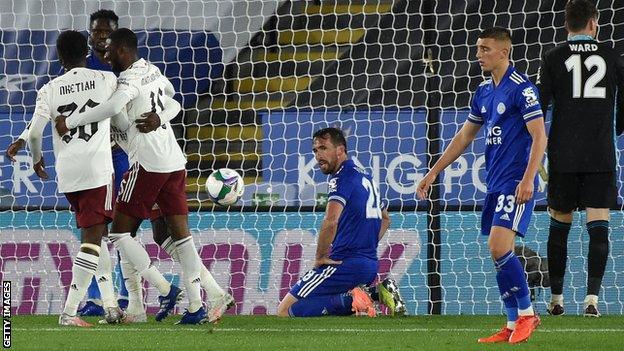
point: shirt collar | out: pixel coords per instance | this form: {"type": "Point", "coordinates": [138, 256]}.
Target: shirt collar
{"type": "Point", "coordinates": [346, 163]}
{"type": "Point", "coordinates": [579, 37]}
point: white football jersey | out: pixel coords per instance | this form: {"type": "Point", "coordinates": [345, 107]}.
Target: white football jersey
{"type": "Point", "coordinates": [83, 155]}
{"type": "Point", "coordinates": [157, 151]}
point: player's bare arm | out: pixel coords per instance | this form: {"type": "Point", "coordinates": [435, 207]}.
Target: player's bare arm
{"type": "Point", "coordinates": [17, 145]}
{"type": "Point", "coordinates": [524, 191]}
{"type": "Point", "coordinates": [14, 148]}
{"type": "Point", "coordinates": [35, 137]}
{"type": "Point", "coordinates": [457, 146]}
{"type": "Point", "coordinates": [385, 223]}
{"type": "Point", "coordinates": [327, 234]}
{"type": "Point", "coordinates": [107, 109]}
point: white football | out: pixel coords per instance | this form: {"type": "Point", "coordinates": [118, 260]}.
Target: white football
{"type": "Point", "coordinates": [225, 186]}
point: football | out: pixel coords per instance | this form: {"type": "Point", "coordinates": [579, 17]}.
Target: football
{"type": "Point", "coordinates": [225, 186]}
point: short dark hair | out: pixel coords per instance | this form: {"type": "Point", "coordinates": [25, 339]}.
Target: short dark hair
{"type": "Point", "coordinates": [335, 135]}
{"type": "Point", "coordinates": [109, 15]}
{"type": "Point", "coordinates": [497, 33]}
{"type": "Point", "coordinates": [124, 37]}
{"type": "Point", "coordinates": [578, 13]}
{"type": "Point", "coordinates": [71, 47]}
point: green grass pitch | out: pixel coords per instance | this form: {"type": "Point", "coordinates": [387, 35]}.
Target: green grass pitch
{"type": "Point", "coordinates": [329, 333]}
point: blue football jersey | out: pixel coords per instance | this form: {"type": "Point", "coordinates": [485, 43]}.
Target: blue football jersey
{"type": "Point", "coordinates": [94, 63]}
{"type": "Point", "coordinates": [360, 221]}
{"type": "Point", "coordinates": [504, 110]}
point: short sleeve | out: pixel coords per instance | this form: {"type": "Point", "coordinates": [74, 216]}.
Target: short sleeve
{"type": "Point", "coordinates": [127, 84]}
{"type": "Point", "coordinates": [475, 115]}
{"type": "Point", "coordinates": [42, 105]}
{"type": "Point", "coordinates": [339, 190]}
{"type": "Point", "coordinates": [527, 101]}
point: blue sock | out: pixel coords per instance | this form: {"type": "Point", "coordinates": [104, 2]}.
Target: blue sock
{"type": "Point", "coordinates": [93, 293]}
{"type": "Point", "coordinates": [508, 297]}
{"type": "Point", "coordinates": [121, 288]}
{"type": "Point", "coordinates": [333, 305]}
{"type": "Point", "coordinates": [513, 274]}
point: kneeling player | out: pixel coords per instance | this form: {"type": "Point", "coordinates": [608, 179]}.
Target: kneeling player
{"type": "Point", "coordinates": [354, 222]}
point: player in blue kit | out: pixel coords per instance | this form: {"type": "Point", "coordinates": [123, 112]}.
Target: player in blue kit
{"type": "Point", "coordinates": [515, 140]}
{"type": "Point", "coordinates": [346, 253]}
{"type": "Point", "coordinates": [101, 24]}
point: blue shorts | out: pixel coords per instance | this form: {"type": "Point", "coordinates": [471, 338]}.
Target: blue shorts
{"type": "Point", "coordinates": [120, 165]}
{"type": "Point", "coordinates": [335, 279]}
{"type": "Point", "coordinates": [500, 209]}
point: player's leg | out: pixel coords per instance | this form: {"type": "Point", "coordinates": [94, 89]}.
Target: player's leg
{"type": "Point", "coordinates": [172, 202]}
{"type": "Point", "coordinates": [599, 192]}
{"type": "Point", "coordinates": [93, 305]}
{"type": "Point", "coordinates": [511, 305]}
{"type": "Point", "coordinates": [598, 230]}
{"type": "Point", "coordinates": [83, 270]}
{"type": "Point", "coordinates": [120, 165]}
{"type": "Point", "coordinates": [508, 219]}
{"type": "Point", "coordinates": [502, 239]}
{"type": "Point", "coordinates": [93, 212]}
{"type": "Point", "coordinates": [317, 306]}
{"type": "Point", "coordinates": [187, 254]}
{"type": "Point", "coordinates": [331, 290]}
{"type": "Point", "coordinates": [562, 200]}
{"type": "Point", "coordinates": [104, 278]}
{"type": "Point", "coordinates": [134, 202]}
{"type": "Point", "coordinates": [218, 299]}
{"type": "Point", "coordinates": [317, 293]}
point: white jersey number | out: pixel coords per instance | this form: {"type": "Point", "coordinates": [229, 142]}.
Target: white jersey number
{"type": "Point", "coordinates": [373, 209]}
{"type": "Point", "coordinates": [590, 90]}
{"type": "Point", "coordinates": [509, 207]}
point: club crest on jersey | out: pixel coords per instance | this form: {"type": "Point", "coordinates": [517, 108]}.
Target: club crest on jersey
{"type": "Point", "coordinates": [501, 108]}
{"type": "Point", "coordinates": [530, 96]}
{"type": "Point", "coordinates": [332, 185]}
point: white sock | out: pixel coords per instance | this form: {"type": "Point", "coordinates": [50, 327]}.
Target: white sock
{"type": "Point", "coordinates": [190, 262]}
{"type": "Point", "coordinates": [558, 299]}
{"type": "Point", "coordinates": [591, 300]}
{"type": "Point", "coordinates": [136, 254]}
{"type": "Point", "coordinates": [511, 325]}
{"type": "Point", "coordinates": [132, 279]}
{"type": "Point", "coordinates": [526, 312]}
{"type": "Point", "coordinates": [82, 272]}
{"type": "Point", "coordinates": [104, 277]}
{"type": "Point", "coordinates": [213, 290]}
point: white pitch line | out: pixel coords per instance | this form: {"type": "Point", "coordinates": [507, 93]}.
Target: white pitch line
{"type": "Point", "coordinates": [307, 330]}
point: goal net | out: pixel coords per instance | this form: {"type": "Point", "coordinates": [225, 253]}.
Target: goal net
{"type": "Point", "coordinates": [256, 79]}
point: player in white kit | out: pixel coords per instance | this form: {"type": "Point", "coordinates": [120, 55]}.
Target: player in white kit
{"type": "Point", "coordinates": [157, 175]}
{"type": "Point", "coordinates": [83, 166]}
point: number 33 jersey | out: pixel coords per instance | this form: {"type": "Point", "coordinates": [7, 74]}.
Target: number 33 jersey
{"type": "Point", "coordinates": [83, 155]}
{"type": "Point", "coordinates": [148, 90]}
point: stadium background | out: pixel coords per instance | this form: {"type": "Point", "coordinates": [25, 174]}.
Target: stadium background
{"type": "Point", "coordinates": [256, 78]}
